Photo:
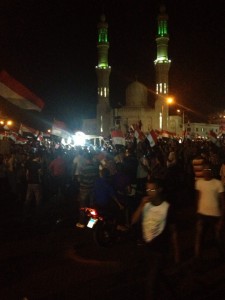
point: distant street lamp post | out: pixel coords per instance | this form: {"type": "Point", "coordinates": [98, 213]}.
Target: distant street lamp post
{"type": "Point", "coordinates": [179, 111]}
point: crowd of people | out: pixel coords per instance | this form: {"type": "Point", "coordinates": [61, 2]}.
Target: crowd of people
{"type": "Point", "coordinates": [144, 187]}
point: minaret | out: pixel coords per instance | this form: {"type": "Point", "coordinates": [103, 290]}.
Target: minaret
{"type": "Point", "coordinates": [162, 66]}
{"type": "Point", "coordinates": [103, 72]}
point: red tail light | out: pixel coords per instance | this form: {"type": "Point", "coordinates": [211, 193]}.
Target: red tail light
{"type": "Point", "coordinates": [89, 211]}
{"type": "Point", "coordinates": [93, 212]}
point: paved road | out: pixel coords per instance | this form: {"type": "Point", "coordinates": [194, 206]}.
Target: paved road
{"type": "Point", "coordinates": [60, 261]}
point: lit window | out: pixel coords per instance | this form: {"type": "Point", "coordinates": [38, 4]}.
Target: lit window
{"type": "Point", "coordinates": [101, 127]}
{"type": "Point", "coordinates": [165, 89]}
{"type": "Point", "coordinates": [160, 120]}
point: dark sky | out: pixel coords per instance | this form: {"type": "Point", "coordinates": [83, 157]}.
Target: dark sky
{"type": "Point", "coordinates": [50, 46]}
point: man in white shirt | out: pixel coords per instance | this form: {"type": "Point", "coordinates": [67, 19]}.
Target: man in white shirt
{"type": "Point", "coordinates": [210, 210]}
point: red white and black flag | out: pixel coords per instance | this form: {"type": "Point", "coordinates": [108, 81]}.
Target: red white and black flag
{"type": "Point", "coordinates": [24, 128]}
{"type": "Point", "coordinates": [138, 133]}
{"type": "Point", "coordinates": [16, 93]}
{"type": "Point", "coordinates": [59, 128]}
{"type": "Point", "coordinates": [152, 138]}
{"type": "Point", "coordinates": [118, 137]}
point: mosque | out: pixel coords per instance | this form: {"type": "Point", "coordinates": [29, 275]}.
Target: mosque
{"type": "Point", "coordinates": [136, 108]}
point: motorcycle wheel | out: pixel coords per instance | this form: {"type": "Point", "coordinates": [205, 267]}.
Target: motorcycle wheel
{"type": "Point", "coordinates": [103, 236]}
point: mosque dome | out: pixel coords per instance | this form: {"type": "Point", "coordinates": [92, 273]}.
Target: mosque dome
{"type": "Point", "coordinates": [136, 94]}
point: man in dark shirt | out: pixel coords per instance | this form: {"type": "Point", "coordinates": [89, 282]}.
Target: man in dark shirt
{"type": "Point", "coordinates": [104, 194]}
{"type": "Point", "coordinates": [34, 191]}
{"type": "Point", "coordinates": [57, 169]}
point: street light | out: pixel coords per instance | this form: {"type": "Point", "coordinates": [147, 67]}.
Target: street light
{"type": "Point", "coordinates": [169, 100]}
{"type": "Point", "coordinates": [6, 123]}
{"type": "Point", "coordinates": [9, 123]}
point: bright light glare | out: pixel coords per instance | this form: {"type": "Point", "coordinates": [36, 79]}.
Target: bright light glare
{"type": "Point", "coordinates": [9, 123]}
{"type": "Point", "coordinates": [170, 100]}
{"type": "Point", "coordinates": [63, 141]}
{"type": "Point", "coordinates": [79, 138]}
{"type": "Point", "coordinates": [66, 141]}
{"type": "Point", "coordinates": [69, 140]}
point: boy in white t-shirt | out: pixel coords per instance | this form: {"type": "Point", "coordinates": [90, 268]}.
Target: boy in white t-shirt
{"type": "Point", "coordinates": [157, 222]}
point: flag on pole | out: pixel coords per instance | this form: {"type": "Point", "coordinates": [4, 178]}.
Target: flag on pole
{"type": "Point", "coordinates": [16, 93]}
{"type": "Point", "coordinates": [59, 128]}
{"type": "Point", "coordinates": [140, 136]}
{"type": "Point", "coordinates": [13, 136]}
{"type": "Point", "coordinates": [165, 134]}
{"type": "Point", "coordinates": [152, 138]}
{"type": "Point", "coordinates": [138, 133]}
{"type": "Point", "coordinates": [27, 129]}
{"type": "Point", "coordinates": [20, 140]}
{"type": "Point", "coordinates": [118, 137]}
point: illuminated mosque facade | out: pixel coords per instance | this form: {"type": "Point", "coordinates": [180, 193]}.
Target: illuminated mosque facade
{"type": "Point", "coordinates": [136, 106]}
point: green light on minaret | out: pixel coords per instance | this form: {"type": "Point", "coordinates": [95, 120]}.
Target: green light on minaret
{"type": "Point", "coordinates": [103, 44]}
{"type": "Point", "coordinates": [162, 28]}
{"type": "Point", "coordinates": [102, 35]}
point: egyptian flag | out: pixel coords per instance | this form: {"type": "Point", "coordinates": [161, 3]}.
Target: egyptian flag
{"type": "Point", "coordinates": [152, 138]}
{"type": "Point", "coordinates": [165, 134]}
{"type": "Point", "coordinates": [138, 133]}
{"type": "Point", "coordinates": [27, 129]}
{"type": "Point", "coordinates": [20, 140]}
{"type": "Point", "coordinates": [140, 136]}
{"type": "Point", "coordinates": [16, 93]}
{"type": "Point", "coordinates": [118, 137]}
{"type": "Point", "coordinates": [59, 129]}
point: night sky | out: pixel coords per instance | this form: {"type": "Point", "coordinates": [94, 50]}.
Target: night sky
{"type": "Point", "coordinates": [50, 46]}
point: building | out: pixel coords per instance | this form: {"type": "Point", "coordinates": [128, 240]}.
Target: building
{"type": "Point", "coordinates": [201, 130]}
{"type": "Point", "coordinates": [137, 106]}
